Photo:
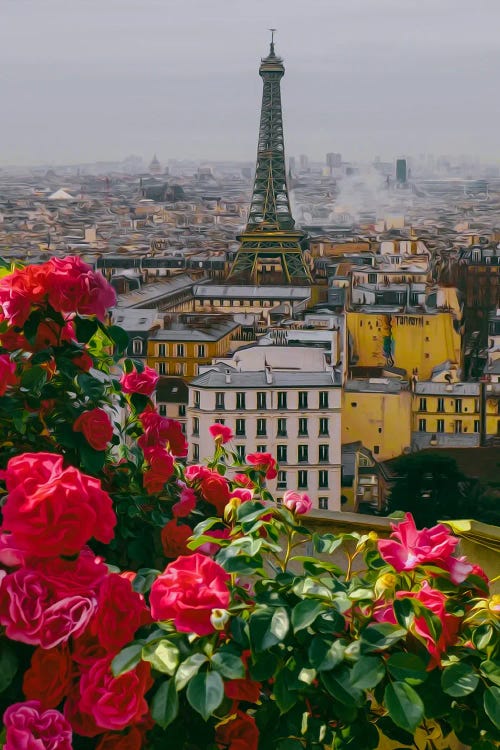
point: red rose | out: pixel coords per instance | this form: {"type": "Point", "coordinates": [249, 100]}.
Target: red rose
{"type": "Point", "coordinates": [96, 427]}
{"type": "Point", "coordinates": [239, 734]}
{"type": "Point", "coordinates": [196, 472]}
{"type": "Point", "coordinates": [243, 480]}
{"type": "Point", "coordinates": [187, 592]}
{"type": "Point", "coordinates": [29, 727]}
{"type": "Point", "coordinates": [215, 490]}
{"type": "Point", "coordinates": [174, 539]}
{"type": "Point", "coordinates": [243, 690]}
{"type": "Point", "coordinates": [221, 433]}
{"type": "Point", "coordinates": [49, 334]}
{"type": "Point", "coordinates": [49, 677]}
{"type": "Point", "coordinates": [140, 382]}
{"type": "Point", "coordinates": [84, 361]}
{"type": "Point", "coordinates": [7, 373]}
{"type": "Point", "coordinates": [86, 650]}
{"type": "Point", "coordinates": [264, 462]}
{"type": "Point", "coordinates": [160, 430]}
{"type": "Point", "coordinates": [53, 511]}
{"type": "Point", "coordinates": [160, 469]}
{"type": "Point", "coordinates": [74, 286]}
{"type": "Point", "coordinates": [22, 289]}
{"type": "Point", "coordinates": [131, 740]}
{"type": "Point", "coordinates": [186, 504]}
{"type": "Point", "coordinates": [120, 612]}
{"type": "Point", "coordinates": [115, 702]}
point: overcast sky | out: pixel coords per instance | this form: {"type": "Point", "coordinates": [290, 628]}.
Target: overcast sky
{"type": "Point", "coordinates": [87, 80]}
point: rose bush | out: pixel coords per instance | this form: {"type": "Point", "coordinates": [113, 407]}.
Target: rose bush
{"type": "Point", "coordinates": [149, 604]}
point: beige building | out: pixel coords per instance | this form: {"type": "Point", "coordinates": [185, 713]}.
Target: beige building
{"type": "Point", "coordinates": [292, 413]}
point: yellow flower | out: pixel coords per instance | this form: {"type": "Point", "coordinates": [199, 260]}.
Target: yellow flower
{"type": "Point", "coordinates": [385, 582]}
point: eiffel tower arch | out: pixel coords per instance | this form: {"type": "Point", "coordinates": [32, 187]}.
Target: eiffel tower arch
{"type": "Point", "coordinates": [271, 249]}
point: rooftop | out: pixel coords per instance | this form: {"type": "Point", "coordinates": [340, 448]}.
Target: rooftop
{"type": "Point", "coordinates": [227, 291]}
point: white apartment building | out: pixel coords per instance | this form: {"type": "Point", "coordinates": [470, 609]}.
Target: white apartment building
{"type": "Point", "coordinates": [291, 412]}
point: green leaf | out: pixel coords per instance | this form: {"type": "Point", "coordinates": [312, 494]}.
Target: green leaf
{"type": "Point", "coordinates": [367, 672]}
{"type": "Point", "coordinates": [338, 683]}
{"type": "Point", "coordinates": [265, 666]}
{"type": "Point", "coordinates": [34, 379]}
{"type": "Point", "coordinates": [325, 655]}
{"type": "Point", "coordinates": [85, 328]}
{"type": "Point", "coordinates": [92, 460]}
{"type": "Point", "coordinates": [242, 564]}
{"type": "Point", "coordinates": [8, 665]}
{"type": "Point", "coordinates": [481, 636]}
{"type": "Point", "coordinates": [128, 658]}
{"type": "Point", "coordinates": [491, 670]}
{"type": "Point", "coordinates": [326, 543]}
{"type": "Point", "coordinates": [404, 705]}
{"type": "Point", "coordinates": [290, 744]}
{"type": "Point", "coordinates": [228, 665]}
{"type": "Point", "coordinates": [459, 679]}
{"type": "Point", "coordinates": [165, 704]}
{"type": "Point", "coordinates": [492, 705]}
{"type": "Point", "coordinates": [267, 630]}
{"type": "Point", "coordinates": [285, 698]}
{"type": "Point", "coordinates": [381, 636]}
{"type": "Point", "coordinates": [188, 669]}
{"type": "Point", "coordinates": [119, 337]}
{"type": "Point", "coordinates": [205, 693]}
{"type": "Point", "coordinates": [304, 613]}
{"type": "Point", "coordinates": [407, 668]}
{"type": "Point", "coordinates": [251, 511]}
{"type": "Point", "coordinates": [163, 656]}
{"type": "Point", "coordinates": [404, 611]}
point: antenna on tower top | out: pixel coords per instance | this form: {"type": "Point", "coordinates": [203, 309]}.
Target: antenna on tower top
{"type": "Point", "coordinates": [271, 52]}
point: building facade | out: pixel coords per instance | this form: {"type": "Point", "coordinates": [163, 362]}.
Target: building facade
{"type": "Point", "coordinates": [446, 415]}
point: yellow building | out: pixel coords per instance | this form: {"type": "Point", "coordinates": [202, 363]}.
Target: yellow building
{"type": "Point", "coordinates": [187, 344]}
{"type": "Point", "coordinates": [446, 415]}
{"type": "Point", "coordinates": [492, 409]}
{"type": "Point", "coordinates": [377, 412]}
{"type": "Point", "coordinates": [412, 342]}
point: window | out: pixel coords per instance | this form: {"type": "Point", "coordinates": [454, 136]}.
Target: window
{"type": "Point", "coordinates": [282, 428]}
{"type": "Point", "coordinates": [137, 346]}
{"type": "Point", "coordinates": [323, 478]}
{"type": "Point", "coordinates": [323, 399]}
{"type": "Point", "coordinates": [440, 425]}
{"type": "Point", "coordinates": [302, 483]}
{"type": "Point", "coordinates": [323, 453]}
{"type": "Point", "coordinates": [182, 410]}
{"type": "Point", "coordinates": [477, 425]}
{"type": "Point", "coordinates": [240, 450]}
{"type": "Point", "coordinates": [376, 449]}
{"type": "Point", "coordinates": [219, 400]}
{"type": "Point", "coordinates": [282, 399]}
{"type": "Point", "coordinates": [458, 406]}
{"type": "Point", "coordinates": [303, 399]}
{"type": "Point", "coordinates": [281, 485]}
{"type": "Point", "coordinates": [162, 368]}
{"type": "Point", "coordinates": [323, 503]}
{"type": "Point", "coordinates": [261, 448]}
{"type": "Point", "coordinates": [220, 421]}
{"type": "Point", "coordinates": [196, 452]}
{"type": "Point", "coordinates": [440, 404]}
{"type": "Point", "coordinates": [197, 399]}
{"type": "Point", "coordinates": [422, 425]}
{"type": "Point", "coordinates": [303, 453]}
{"type": "Point", "coordinates": [201, 350]}
{"type": "Point", "coordinates": [179, 350]}
{"type": "Point", "coordinates": [196, 426]}
{"type": "Point", "coordinates": [261, 427]}
{"type": "Point", "coordinates": [354, 403]}
{"type": "Point", "coordinates": [240, 400]}
{"type": "Point", "coordinates": [458, 425]}
{"type": "Point", "coordinates": [423, 404]}
{"type": "Point", "coordinates": [240, 427]}
{"type": "Point", "coordinates": [162, 350]}
{"type": "Point", "coordinates": [372, 278]}
{"type": "Point", "coordinates": [162, 410]}
{"type": "Point", "coordinates": [282, 454]}
{"type": "Point", "coordinates": [323, 426]}
{"type": "Point", "coordinates": [303, 426]}
{"type": "Point", "coordinates": [261, 400]}
{"type": "Point", "coordinates": [476, 404]}
{"type": "Point", "coordinates": [180, 368]}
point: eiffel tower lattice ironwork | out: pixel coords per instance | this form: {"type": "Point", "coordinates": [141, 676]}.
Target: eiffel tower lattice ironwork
{"type": "Point", "coordinates": [271, 249]}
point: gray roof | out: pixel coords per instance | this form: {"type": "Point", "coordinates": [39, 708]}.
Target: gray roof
{"type": "Point", "coordinates": [156, 291]}
{"type": "Point", "coordinates": [137, 319]}
{"type": "Point", "coordinates": [211, 332]}
{"type": "Point", "coordinates": [430, 388]}
{"type": "Point", "coordinates": [374, 385]}
{"type": "Point", "coordinates": [228, 291]}
{"type": "Point", "coordinates": [282, 379]}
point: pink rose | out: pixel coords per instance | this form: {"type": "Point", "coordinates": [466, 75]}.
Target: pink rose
{"type": "Point", "coordinates": [10, 555]}
{"type": "Point", "coordinates": [159, 430]}
{"type": "Point", "coordinates": [7, 373]}
{"type": "Point", "coordinates": [196, 472]}
{"type": "Point", "coordinates": [264, 462]}
{"type": "Point", "coordinates": [140, 382]}
{"type": "Point", "coordinates": [74, 287]}
{"type": "Point", "coordinates": [210, 548]}
{"type": "Point", "coordinates": [54, 511]}
{"type": "Point", "coordinates": [120, 612]}
{"type": "Point", "coordinates": [186, 504]}
{"type": "Point", "coordinates": [115, 702]}
{"type": "Point", "coordinates": [29, 727]}
{"type": "Point", "coordinates": [414, 547]}
{"type": "Point", "coordinates": [297, 502]}
{"type": "Point", "coordinates": [221, 433]}
{"type": "Point", "coordinates": [187, 592]}
{"type": "Point", "coordinates": [96, 427]}
{"type": "Point", "coordinates": [242, 493]}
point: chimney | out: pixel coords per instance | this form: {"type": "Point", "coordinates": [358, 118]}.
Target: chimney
{"type": "Point", "coordinates": [228, 376]}
{"type": "Point", "coordinates": [269, 375]}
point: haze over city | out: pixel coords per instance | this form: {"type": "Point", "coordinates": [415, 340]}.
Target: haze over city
{"type": "Point", "coordinates": [100, 79]}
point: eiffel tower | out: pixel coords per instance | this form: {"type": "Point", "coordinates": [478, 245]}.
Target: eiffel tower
{"type": "Point", "coordinates": [270, 240]}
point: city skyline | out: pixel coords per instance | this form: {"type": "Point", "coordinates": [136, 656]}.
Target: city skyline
{"type": "Point", "coordinates": [99, 81]}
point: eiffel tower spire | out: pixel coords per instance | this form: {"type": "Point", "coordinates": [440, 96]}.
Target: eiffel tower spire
{"type": "Point", "coordinates": [270, 240]}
